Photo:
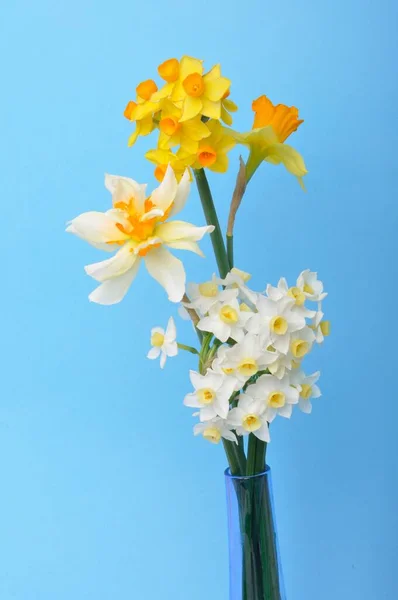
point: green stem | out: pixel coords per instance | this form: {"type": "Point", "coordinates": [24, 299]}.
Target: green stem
{"type": "Point", "coordinates": [230, 250]}
{"type": "Point", "coordinates": [212, 219]}
{"type": "Point", "coordinates": [236, 458]}
{"type": "Point", "coordinates": [190, 349]}
{"type": "Point", "coordinates": [251, 455]}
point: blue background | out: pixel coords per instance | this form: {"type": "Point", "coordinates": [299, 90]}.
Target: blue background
{"type": "Point", "coordinates": [105, 493]}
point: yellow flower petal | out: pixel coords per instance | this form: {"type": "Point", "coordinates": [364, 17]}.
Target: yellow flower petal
{"type": "Point", "coordinates": [190, 65]}
{"type": "Point", "coordinates": [192, 107]}
{"type": "Point", "coordinates": [225, 116]}
{"type": "Point", "coordinates": [215, 89]}
{"type": "Point", "coordinates": [229, 105]}
{"type": "Point", "coordinates": [211, 109]}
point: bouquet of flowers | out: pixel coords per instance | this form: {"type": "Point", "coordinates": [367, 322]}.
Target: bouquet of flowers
{"type": "Point", "coordinates": [250, 345]}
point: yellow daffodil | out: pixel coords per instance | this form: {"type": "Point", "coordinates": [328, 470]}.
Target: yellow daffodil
{"type": "Point", "coordinates": [284, 119]}
{"type": "Point", "coordinates": [173, 132]}
{"type": "Point", "coordinates": [163, 158]}
{"type": "Point", "coordinates": [200, 94]}
{"type": "Point", "coordinates": [143, 126]}
{"type": "Point", "coordinates": [169, 71]}
{"type": "Point", "coordinates": [137, 227]}
{"type": "Point", "coordinates": [272, 126]}
{"type": "Point", "coordinates": [143, 110]}
{"type": "Point", "coordinates": [212, 152]}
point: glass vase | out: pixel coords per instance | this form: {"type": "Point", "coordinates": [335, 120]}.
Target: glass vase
{"type": "Point", "coordinates": [254, 561]}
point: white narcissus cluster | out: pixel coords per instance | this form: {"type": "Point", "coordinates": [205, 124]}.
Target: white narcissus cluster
{"type": "Point", "coordinates": [250, 363]}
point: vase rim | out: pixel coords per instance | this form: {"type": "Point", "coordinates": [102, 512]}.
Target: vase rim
{"type": "Point", "coordinates": [228, 474]}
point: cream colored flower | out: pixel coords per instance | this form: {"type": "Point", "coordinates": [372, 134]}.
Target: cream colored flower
{"type": "Point", "coordinates": [137, 225]}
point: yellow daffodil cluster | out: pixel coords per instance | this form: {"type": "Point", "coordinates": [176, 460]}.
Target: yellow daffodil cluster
{"type": "Point", "coordinates": [188, 112]}
{"type": "Point", "coordinates": [191, 111]}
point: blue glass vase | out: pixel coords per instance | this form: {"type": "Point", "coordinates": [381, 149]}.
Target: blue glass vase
{"type": "Point", "coordinates": [254, 561]}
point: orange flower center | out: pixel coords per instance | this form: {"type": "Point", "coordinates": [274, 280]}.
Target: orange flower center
{"type": "Point", "coordinates": [169, 125]}
{"type": "Point", "coordinates": [207, 156]}
{"type": "Point", "coordinates": [146, 88]}
{"type": "Point", "coordinates": [128, 111]}
{"type": "Point", "coordinates": [194, 85]}
{"type": "Point", "coordinates": [169, 70]}
{"type": "Point", "coordinates": [284, 119]}
{"type": "Point", "coordinates": [136, 229]}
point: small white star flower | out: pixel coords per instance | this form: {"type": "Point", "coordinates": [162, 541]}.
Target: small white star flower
{"type": "Point", "coordinates": [211, 395]}
{"type": "Point", "coordinates": [214, 430]}
{"type": "Point", "coordinates": [225, 320]}
{"type": "Point", "coordinates": [277, 319]}
{"type": "Point", "coordinates": [237, 279]}
{"type": "Point", "coordinates": [296, 293]}
{"type": "Point", "coordinates": [301, 343]}
{"type": "Point", "coordinates": [250, 417]}
{"type": "Point", "coordinates": [277, 395]}
{"type": "Point", "coordinates": [163, 342]}
{"type": "Point", "coordinates": [306, 384]}
{"type": "Point", "coordinates": [248, 358]}
{"type": "Point", "coordinates": [203, 296]}
{"type": "Point", "coordinates": [312, 287]}
{"type": "Point", "coordinates": [320, 328]}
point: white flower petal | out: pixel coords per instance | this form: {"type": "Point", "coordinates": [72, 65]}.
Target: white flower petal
{"type": "Point", "coordinates": [196, 379]}
{"type": "Point", "coordinates": [229, 435]}
{"type": "Point", "coordinates": [221, 406]}
{"type": "Point", "coordinates": [171, 348]}
{"type": "Point", "coordinates": [286, 411]}
{"type": "Point", "coordinates": [192, 401]}
{"type": "Point", "coordinates": [164, 195]}
{"type": "Point", "coordinates": [263, 433]}
{"type": "Point", "coordinates": [124, 188]}
{"type": "Point", "coordinates": [96, 228]}
{"type": "Point", "coordinates": [153, 353]}
{"type": "Point", "coordinates": [305, 406]}
{"type": "Point", "coordinates": [171, 331]}
{"type": "Point", "coordinates": [155, 212]}
{"type": "Point", "coordinates": [186, 245]}
{"type": "Point", "coordinates": [207, 413]}
{"type": "Point", "coordinates": [168, 271]}
{"type": "Point", "coordinates": [235, 417]}
{"type": "Point", "coordinates": [113, 290]}
{"type": "Point", "coordinates": [173, 231]}
{"type": "Point", "coordinates": [163, 357]}
{"type": "Point", "coordinates": [182, 194]}
{"type": "Point", "coordinates": [115, 266]}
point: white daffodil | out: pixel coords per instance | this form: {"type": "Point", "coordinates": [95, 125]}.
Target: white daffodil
{"type": "Point", "coordinates": [136, 225]}
{"type": "Point", "coordinates": [237, 279]}
{"type": "Point", "coordinates": [312, 287]}
{"type": "Point", "coordinates": [300, 344]}
{"type": "Point", "coordinates": [205, 295]}
{"type": "Point", "coordinates": [279, 367]}
{"type": "Point", "coordinates": [214, 430]}
{"type": "Point", "coordinates": [296, 293]}
{"type": "Point", "coordinates": [277, 395]}
{"type": "Point", "coordinates": [225, 320]}
{"type": "Point", "coordinates": [248, 358]}
{"type": "Point", "coordinates": [211, 395]}
{"type": "Point", "coordinates": [249, 417]}
{"type": "Point", "coordinates": [307, 388]}
{"type": "Point", "coordinates": [277, 319]}
{"type": "Point", "coordinates": [320, 328]}
{"type": "Point", "coordinates": [219, 365]}
{"type": "Point", "coordinates": [163, 342]}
